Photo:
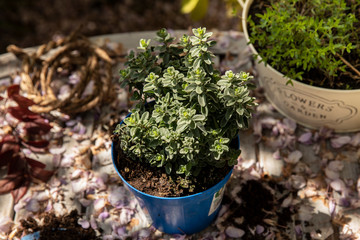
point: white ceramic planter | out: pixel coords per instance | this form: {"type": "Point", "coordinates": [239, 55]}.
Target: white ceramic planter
{"type": "Point", "coordinates": [310, 106]}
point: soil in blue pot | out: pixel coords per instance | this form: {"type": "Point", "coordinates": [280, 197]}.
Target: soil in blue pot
{"type": "Point", "coordinates": [55, 228]}
{"type": "Point", "coordinates": [154, 181]}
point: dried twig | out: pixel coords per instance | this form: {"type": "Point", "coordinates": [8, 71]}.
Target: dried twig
{"type": "Point", "coordinates": [74, 53]}
{"type": "Point", "coordinates": [348, 64]}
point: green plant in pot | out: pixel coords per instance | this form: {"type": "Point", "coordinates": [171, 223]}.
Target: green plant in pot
{"type": "Point", "coordinates": [307, 55]}
{"type": "Point", "coordinates": [182, 134]}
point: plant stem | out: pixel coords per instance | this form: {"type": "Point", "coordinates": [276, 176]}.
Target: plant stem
{"type": "Point", "coordinates": [348, 64]}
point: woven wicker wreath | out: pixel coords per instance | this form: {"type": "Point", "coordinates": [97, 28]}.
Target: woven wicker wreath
{"type": "Point", "coordinates": [73, 53]}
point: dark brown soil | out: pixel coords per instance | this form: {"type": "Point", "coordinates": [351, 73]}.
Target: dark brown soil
{"type": "Point", "coordinates": [316, 77]}
{"type": "Point", "coordinates": [155, 181]}
{"type": "Point", "coordinates": [259, 207]}
{"type": "Point", "coordinates": [58, 228]}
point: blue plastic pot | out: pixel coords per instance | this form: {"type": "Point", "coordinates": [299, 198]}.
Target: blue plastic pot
{"type": "Point", "coordinates": [180, 215]}
{"type": "Point", "coordinates": [183, 215]}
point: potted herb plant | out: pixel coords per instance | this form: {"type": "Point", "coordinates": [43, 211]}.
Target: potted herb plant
{"type": "Point", "coordinates": [176, 152]}
{"type": "Point", "coordinates": [307, 56]}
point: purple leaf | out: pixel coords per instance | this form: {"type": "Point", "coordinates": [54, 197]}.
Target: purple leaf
{"type": "Point", "coordinates": [344, 202]}
{"type": "Point", "coordinates": [77, 173]}
{"type": "Point", "coordinates": [55, 182]}
{"type": "Point", "coordinates": [41, 174]}
{"type": "Point", "coordinates": [93, 223]}
{"type": "Point", "coordinates": [355, 140]}
{"type": "Point", "coordinates": [34, 163]}
{"type": "Point", "coordinates": [290, 125]}
{"type": "Point", "coordinates": [49, 207]}
{"type": "Point", "coordinates": [71, 122]}
{"type": "Point", "coordinates": [10, 182]}
{"type": "Point", "coordinates": [22, 101]}
{"type": "Point", "coordinates": [325, 132]}
{"type": "Point", "coordinates": [56, 160]}
{"type": "Point", "coordinates": [8, 148]}
{"type": "Point", "coordinates": [5, 224]}
{"type": "Point", "coordinates": [32, 205]}
{"type": "Point", "coordinates": [120, 231]}
{"type": "Point", "coordinates": [339, 141]}
{"type": "Point", "coordinates": [37, 144]}
{"type": "Point", "coordinates": [298, 181]}
{"type": "Point", "coordinates": [88, 89]}
{"type": "Point", "coordinates": [79, 128]}
{"type": "Point", "coordinates": [23, 114]}
{"type": "Point", "coordinates": [67, 160]}
{"type": "Point", "coordinates": [85, 202]}
{"type": "Point", "coordinates": [84, 223]}
{"type": "Point", "coordinates": [144, 233]}
{"type": "Point", "coordinates": [117, 196]}
{"type": "Point", "coordinates": [64, 92]}
{"type": "Point", "coordinates": [294, 157]}
{"type": "Point", "coordinates": [305, 138]}
{"type": "Point", "coordinates": [104, 215]}
{"type": "Point", "coordinates": [42, 196]}
{"type": "Point", "coordinates": [17, 79]}
{"type": "Point", "coordinates": [336, 165]}
{"type": "Point", "coordinates": [331, 174]}
{"type": "Point", "coordinates": [234, 232]}
{"type": "Point", "coordinates": [276, 155]}
{"type": "Point", "coordinates": [259, 229]}
{"type": "Point", "coordinates": [287, 201]}
{"type": "Point", "coordinates": [108, 237]}
{"type": "Point", "coordinates": [13, 90]}
{"type": "Point", "coordinates": [79, 185]}
{"type": "Point", "coordinates": [74, 78]}
{"type": "Point", "coordinates": [332, 207]}
{"type": "Point", "coordinates": [21, 191]}
{"type": "Point", "coordinates": [298, 230]}
{"type": "Point", "coordinates": [38, 126]}
{"type": "Point", "coordinates": [338, 185]}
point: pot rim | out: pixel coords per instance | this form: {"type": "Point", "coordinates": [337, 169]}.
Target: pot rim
{"type": "Point", "coordinates": [165, 198]}
{"type": "Point", "coordinates": [245, 12]}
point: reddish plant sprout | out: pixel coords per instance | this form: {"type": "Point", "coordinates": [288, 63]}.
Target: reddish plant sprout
{"type": "Point", "coordinates": [21, 128]}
